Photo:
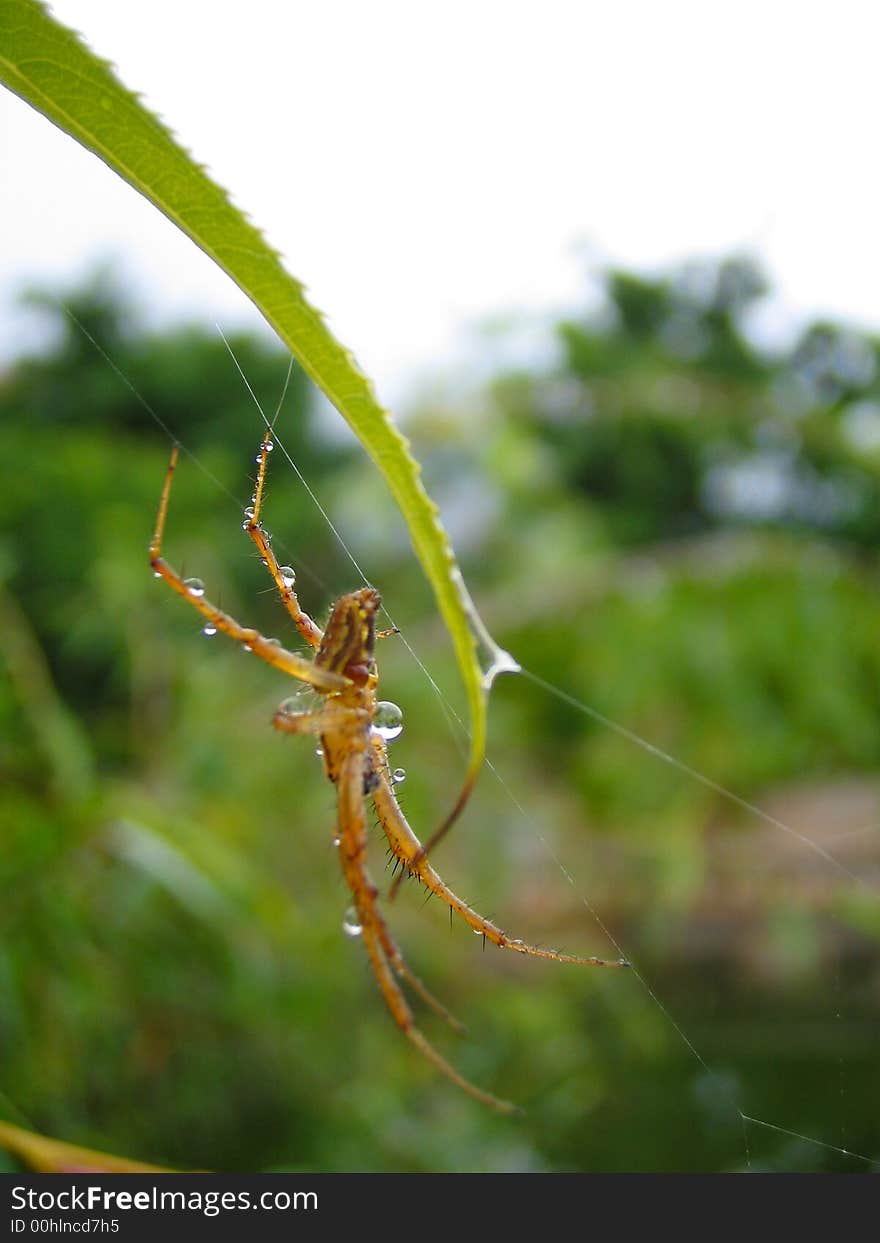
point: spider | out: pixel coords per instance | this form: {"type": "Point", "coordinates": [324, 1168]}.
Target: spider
{"type": "Point", "coordinates": [343, 671]}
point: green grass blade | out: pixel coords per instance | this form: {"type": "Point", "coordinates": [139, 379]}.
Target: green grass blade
{"type": "Point", "coordinates": [50, 68]}
{"type": "Point", "coordinates": [51, 1156]}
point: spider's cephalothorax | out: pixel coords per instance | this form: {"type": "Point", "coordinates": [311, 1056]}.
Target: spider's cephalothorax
{"type": "Point", "coordinates": [343, 671]}
{"type": "Point", "coordinates": [350, 636]}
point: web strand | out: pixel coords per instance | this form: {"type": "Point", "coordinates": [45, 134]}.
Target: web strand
{"type": "Point", "coordinates": [694, 773]}
{"type": "Point", "coordinates": [873, 1162]}
{"type": "Point", "coordinates": [309, 491]}
{"type": "Point", "coordinates": [145, 405]}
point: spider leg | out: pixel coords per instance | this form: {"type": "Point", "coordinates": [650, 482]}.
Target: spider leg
{"type": "Point", "coordinates": [191, 591]}
{"type": "Point", "coordinates": [352, 851]}
{"type": "Point", "coordinates": [336, 718]}
{"type": "Point", "coordinates": [311, 632]}
{"type": "Point", "coordinates": [323, 721]}
{"type": "Point", "coordinates": [437, 836]}
{"type": "Point", "coordinates": [408, 849]}
{"type": "Point", "coordinates": [397, 961]}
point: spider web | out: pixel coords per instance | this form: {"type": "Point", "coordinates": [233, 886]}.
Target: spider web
{"type": "Point", "coordinates": [717, 1070]}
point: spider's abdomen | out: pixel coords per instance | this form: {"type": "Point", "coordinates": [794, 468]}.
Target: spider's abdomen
{"type": "Point", "coordinates": [347, 645]}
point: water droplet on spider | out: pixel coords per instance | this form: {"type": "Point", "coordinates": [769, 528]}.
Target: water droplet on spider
{"type": "Point", "coordinates": [209, 629]}
{"type": "Point", "coordinates": [336, 841]}
{"type": "Point", "coordinates": [351, 924]}
{"type": "Point", "coordinates": [293, 703]}
{"type": "Point", "coordinates": [249, 512]}
{"type": "Point", "coordinates": [156, 574]}
{"type": "Point", "coordinates": [319, 751]}
{"type": "Point", "coordinates": [267, 446]}
{"type": "Point", "coordinates": [287, 574]}
{"type": "Point", "coordinates": [246, 647]}
{"type": "Point", "coordinates": [194, 586]}
{"type": "Point", "coordinates": [398, 776]}
{"type": "Point", "coordinates": [388, 720]}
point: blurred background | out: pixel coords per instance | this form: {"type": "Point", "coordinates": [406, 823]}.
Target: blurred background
{"type": "Point", "coordinates": [660, 464]}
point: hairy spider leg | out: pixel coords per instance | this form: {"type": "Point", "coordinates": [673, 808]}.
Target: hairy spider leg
{"type": "Point", "coordinates": [437, 836]}
{"type": "Point", "coordinates": [353, 850]}
{"type": "Point", "coordinates": [325, 680]}
{"type": "Point", "coordinates": [408, 849]}
{"type": "Point", "coordinates": [310, 631]}
{"type": "Point", "coordinates": [333, 719]}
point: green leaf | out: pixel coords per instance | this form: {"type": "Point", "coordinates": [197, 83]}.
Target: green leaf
{"type": "Point", "coordinates": [51, 1156]}
{"type": "Point", "coordinates": [51, 68]}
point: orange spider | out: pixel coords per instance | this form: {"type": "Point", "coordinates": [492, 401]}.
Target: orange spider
{"type": "Point", "coordinates": [349, 725]}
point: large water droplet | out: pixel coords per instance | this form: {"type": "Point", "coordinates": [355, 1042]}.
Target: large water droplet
{"type": "Point", "coordinates": [194, 586]}
{"type": "Point", "coordinates": [388, 720]}
{"type": "Point", "coordinates": [398, 776]}
{"type": "Point", "coordinates": [249, 512]}
{"type": "Point", "coordinates": [267, 446]}
{"type": "Point", "coordinates": [293, 703]}
{"type": "Point", "coordinates": [351, 924]}
{"type": "Point", "coordinates": [209, 629]}
{"type": "Point", "coordinates": [287, 574]}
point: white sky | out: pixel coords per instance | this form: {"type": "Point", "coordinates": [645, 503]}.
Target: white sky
{"type": "Point", "coordinates": [423, 165]}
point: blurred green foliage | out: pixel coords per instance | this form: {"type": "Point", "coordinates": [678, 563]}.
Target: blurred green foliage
{"type": "Point", "coordinates": [670, 524]}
